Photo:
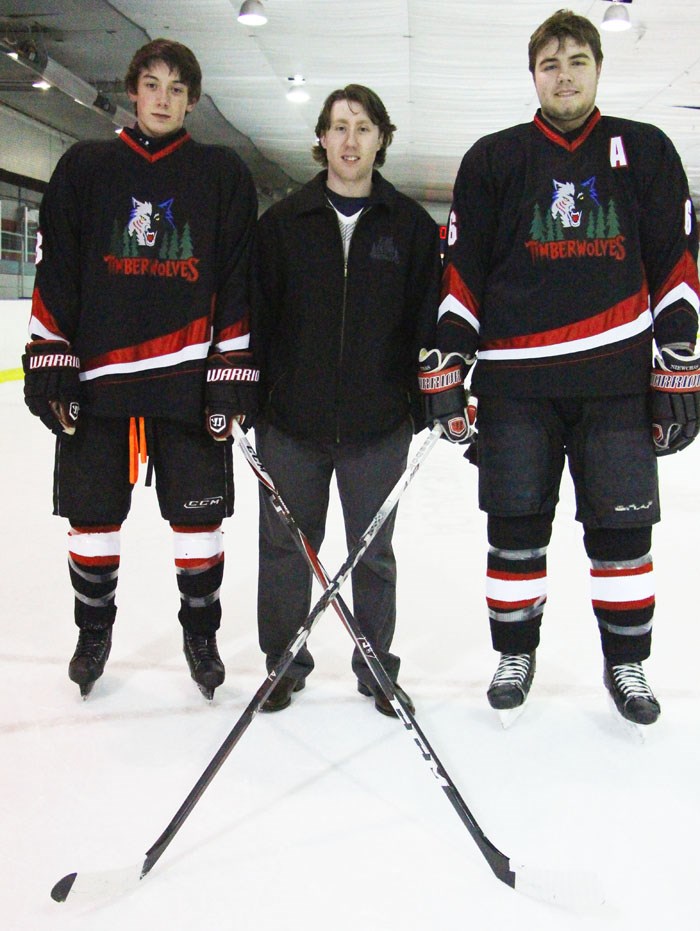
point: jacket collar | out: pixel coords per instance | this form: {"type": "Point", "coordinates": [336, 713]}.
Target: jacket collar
{"type": "Point", "coordinates": [313, 195]}
{"type": "Point", "coordinates": [569, 141]}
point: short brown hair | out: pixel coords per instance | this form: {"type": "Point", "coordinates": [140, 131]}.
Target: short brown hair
{"type": "Point", "coordinates": [373, 106]}
{"type": "Point", "coordinates": [176, 56]}
{"type": "Point", "coordinates": [564, 25]}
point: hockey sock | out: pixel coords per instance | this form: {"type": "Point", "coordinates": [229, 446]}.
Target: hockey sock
{"type": "Point", "coordinates": [199, 564]}
{"type": "Point", "coordinates": [93, 562]}
{"type": "Point", "coordinates": [622, 591]}
{"type": "Point", "coordinates": [516, 592]}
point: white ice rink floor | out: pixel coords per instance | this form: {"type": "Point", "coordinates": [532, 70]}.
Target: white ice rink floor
{"type": "Point", "coordinates": [325, 816]}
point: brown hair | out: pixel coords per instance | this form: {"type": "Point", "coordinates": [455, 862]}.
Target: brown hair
{"type": "Point", "coordinates": [373, 106]}
{"type": "Point", "coordinates": [176, 56]}
{"type": "Point", "coordinates": [564, 25]}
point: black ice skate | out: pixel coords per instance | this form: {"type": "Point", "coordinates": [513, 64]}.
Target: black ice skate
{"type": "Point", "coordinates": [88, 662]}
{"type": "Point", "coordinates": [629, 690]}
{"type": "Point", "coordinates": [511, 683]}
{"type": "Point", "coordinates": [204, 661]}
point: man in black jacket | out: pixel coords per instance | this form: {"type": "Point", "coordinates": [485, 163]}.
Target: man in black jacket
{"type": "Point", "coordinates": [346, 278]}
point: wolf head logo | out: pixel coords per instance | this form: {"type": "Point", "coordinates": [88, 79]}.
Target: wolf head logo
{"type": "Point", "coordinates": [145, 223]}
{"type": "Point", "coordinates": [569, 203]}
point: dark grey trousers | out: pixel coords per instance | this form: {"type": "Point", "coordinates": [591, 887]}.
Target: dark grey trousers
{"type": "Point", "coordinates": [302, 471]}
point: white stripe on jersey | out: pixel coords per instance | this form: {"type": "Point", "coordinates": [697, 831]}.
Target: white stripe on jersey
{"type": "Point", "coordinates": [197, 351]}
{"type": "Point", "coordinates": [450, 304]}
{"type": "Point", "coordinates": [614, 335]}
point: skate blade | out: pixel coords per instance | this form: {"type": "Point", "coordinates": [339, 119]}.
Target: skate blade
{"type": "Point", "coordinates": [86, 689]}
{"type": "Point", "coordinates": [634, 731]}
{"type": "Point", "coordinates": [508, 716]}
{"type": "Point", "coordinates": [208, 693]}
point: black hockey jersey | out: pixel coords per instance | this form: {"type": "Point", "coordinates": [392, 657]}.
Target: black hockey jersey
{"type": "Point", "coordinates": [566, 256]}
{"type": "Point", "coordinates": [142, 266]}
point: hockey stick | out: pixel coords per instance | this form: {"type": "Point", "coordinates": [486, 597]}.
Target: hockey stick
{"type": "Point", "coordinates": [561, 888]}
{"type": "Point", "coordinates": [111, 881]}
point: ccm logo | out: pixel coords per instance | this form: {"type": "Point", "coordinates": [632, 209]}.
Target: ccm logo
{"type": "Point", "coordinates": [204, 503]}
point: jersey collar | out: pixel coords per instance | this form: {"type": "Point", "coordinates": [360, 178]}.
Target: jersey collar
{"type": "Point", "coordinates": [153, 149]}
{"type": "Point", "coordinates": [569, 141]}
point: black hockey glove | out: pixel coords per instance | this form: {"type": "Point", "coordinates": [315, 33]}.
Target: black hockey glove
{"type": "Point", "coordinates": [675, 398]}
{"type": "Point", "coordinates": [51, 384]}
{"type": "Point", "coordinates": [231, 392]}
{"type": "Point", "coordinates": [445, 398]}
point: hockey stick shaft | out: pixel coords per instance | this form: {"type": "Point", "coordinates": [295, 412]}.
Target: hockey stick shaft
{"type": "Point", "coordinates": [64, 886]}
{"type": "Point", "coordinates": [498, 861]}
{"type": "Point", "coordinates": [577, 890]}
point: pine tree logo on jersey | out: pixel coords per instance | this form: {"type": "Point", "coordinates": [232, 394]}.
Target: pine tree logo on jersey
{"type": "Point", "coordinates": [575, 224]}
{"type": "Point", "coordinates": [149, 243]}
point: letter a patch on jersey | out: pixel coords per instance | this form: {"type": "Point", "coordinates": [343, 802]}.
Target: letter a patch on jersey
{"type": "Point", "coordinates": [618, 156]}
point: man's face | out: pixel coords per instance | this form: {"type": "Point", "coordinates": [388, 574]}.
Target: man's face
{"type": "Point", "coordinates": [351, 142]}
{"type": "Point", "coordinates": [161, 100]}
{"type": "Point", "coordinates": [566, 81]}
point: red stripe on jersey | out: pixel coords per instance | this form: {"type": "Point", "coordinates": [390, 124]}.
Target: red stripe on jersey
{"type": "Point", "coordinates": [44, 315]}
{"type": "Point", "coordinates": [558, 139]}
{"type": "Point", "coordinates": [452, 284]}
{"type": "Point", "coordinates": [240, 328]}
{"type": "Point", "coordinates": [196, 332]}
{"type": "Point", "coordinates": [153, 156]}
{"type": "Point", "coordinates": [685, 271]}
{"type": "Point", "coordinates": [617, 315]}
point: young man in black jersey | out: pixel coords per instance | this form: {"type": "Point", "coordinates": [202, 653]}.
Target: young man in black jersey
{"type": "Point", "coordinates": [571, 277]}
{"type": "Point", "coordinates": [346, 279]}
{"type": "Point", "coordinates": [139, 348]}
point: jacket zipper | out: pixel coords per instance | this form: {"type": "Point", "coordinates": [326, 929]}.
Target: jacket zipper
{"type": "Point", "coordinates": [341, 349]}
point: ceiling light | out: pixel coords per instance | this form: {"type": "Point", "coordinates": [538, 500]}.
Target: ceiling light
{"type": "Point", "coordinates": [252, 13]}
{"type": "Point", "coordinates": [296, 92]}
{"type": "Point", "coordinates": [617, 17]}
{"type": "Point", "coordinates": [41, 85]}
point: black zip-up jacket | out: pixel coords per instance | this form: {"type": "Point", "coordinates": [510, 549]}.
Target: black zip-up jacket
{"type": "Point", "coordinates": [338, 344]}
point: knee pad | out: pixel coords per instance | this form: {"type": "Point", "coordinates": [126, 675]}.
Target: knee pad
{"type": "Point", "coordinates": [533, 531]}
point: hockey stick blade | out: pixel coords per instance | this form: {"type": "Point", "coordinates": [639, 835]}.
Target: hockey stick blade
{"type": "Point", "coordinates": [578, 891]}
{"type": "Point", "coordinates": [98, 884]}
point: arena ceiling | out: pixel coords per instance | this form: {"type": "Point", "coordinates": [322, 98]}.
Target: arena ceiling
{"type": "Point", "coordinates": [449, 71]}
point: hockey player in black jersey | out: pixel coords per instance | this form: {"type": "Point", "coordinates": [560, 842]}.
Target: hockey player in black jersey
{"type": "Point", "coordinates": [571, 278]}
{"type": "Point", "coordinates": [139, 348]}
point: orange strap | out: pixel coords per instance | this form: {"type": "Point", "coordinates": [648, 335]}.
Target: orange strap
{"type": "Point", "coordinates": [137, 447]}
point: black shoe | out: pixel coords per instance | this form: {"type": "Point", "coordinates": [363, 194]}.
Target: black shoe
{"type": "Point", "coordinates": [632, 696]}
{"type": "Point", "coordinates": [281, 696]}
{"type": "Point", "coordinates": [382, 703]}
{"type": "Point", "coordinates": [512, 680]}
{"type": "Point", "coordinates": [204, 661]}
{"type": "Point", "coordinates": [88, 662]}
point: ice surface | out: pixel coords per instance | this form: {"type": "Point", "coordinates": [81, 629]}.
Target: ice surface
{"type": "Point", "coordinates": [325, 815]}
